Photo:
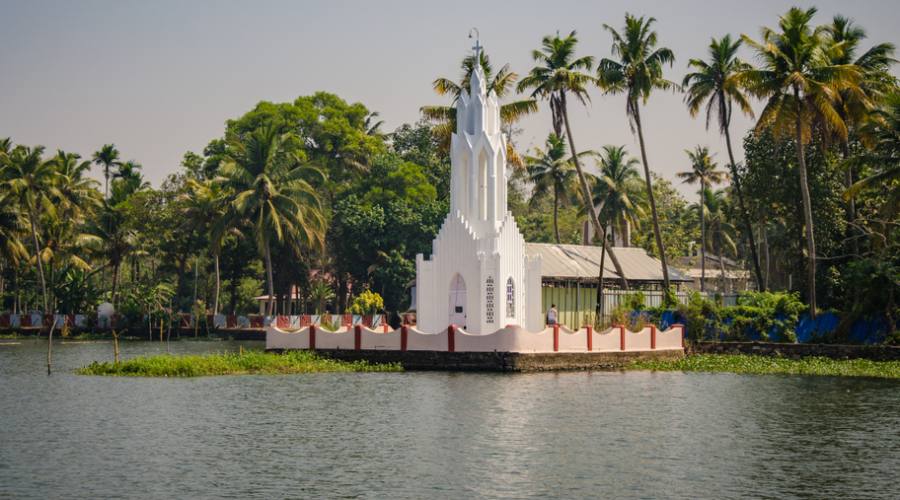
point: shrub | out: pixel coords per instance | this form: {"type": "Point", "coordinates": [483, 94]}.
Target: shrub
{"type": "Point", "coordinates": [368, 302]}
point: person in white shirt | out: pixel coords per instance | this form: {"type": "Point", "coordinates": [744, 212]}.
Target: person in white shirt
{"type": "Point", "coordinates": [552, 315]}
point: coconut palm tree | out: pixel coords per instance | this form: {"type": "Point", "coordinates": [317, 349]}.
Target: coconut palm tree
{"type": "Point", "coordinates": [855, 108]}
{"type": "Point", "coordinates": [618, 192]}
{"type": "Point", "coordinates": [800, 85]}
{"type": "Point", "coordinates": [111, 240]}
{"type": "Point", "coordinates": [703, 171]}
{"type": "Point", "coordinates": [107, 157]}
{"type": "Point", "coordinates": [270, 189]}
{"type": "Point", "coordinates": [31, 181]}
{"type": "Point", "coordinates": [714, 204]}
{"type": "Point", "coordinates": [551, 171]}
{"type": "Point", "coordinates": [558, 74]}
{"type": "Point", "coordinates": [500, 83]}
{"type": "Point", "coordinates": [716, 84]}
{"type": "Point", "coordinates": [637, 72]}
{"type": "Point", "coordinates": [205, 205]}
{"type": "Point", "coordinates": [619, 195]}
{"type": "Point", "coordinates": [884, 133]}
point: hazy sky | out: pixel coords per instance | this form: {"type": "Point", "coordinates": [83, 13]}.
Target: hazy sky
{"type": "Point", "coordinates": [158, 78]}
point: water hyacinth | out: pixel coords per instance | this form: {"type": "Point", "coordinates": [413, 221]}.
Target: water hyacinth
{"type": "Point", "coordinates": [244, 363]}
{"type": "Point", "coordinates": [749, 364]}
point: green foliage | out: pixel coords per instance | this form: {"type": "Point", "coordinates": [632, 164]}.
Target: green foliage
{"type": "Point", "coordinates": [368, 302]}
{"type": "Point", "coordinates": [764, 365]}
{"type": "Point", "coordinates": [246, 362]}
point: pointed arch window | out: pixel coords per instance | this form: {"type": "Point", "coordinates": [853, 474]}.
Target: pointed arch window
{"type": "Point", "coordinates": [489, 300]}
{"type": "Point", "coordinates": [510, 298]}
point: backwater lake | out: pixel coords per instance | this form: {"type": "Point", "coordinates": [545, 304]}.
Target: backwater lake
{"type": "Point", "coordinates": [436, 434]}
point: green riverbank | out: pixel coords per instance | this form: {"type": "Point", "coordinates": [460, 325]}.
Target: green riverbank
{"type": "Point", "coordinates": [248, 362]}
{"type": "Point", "coordinates": [749, 364]}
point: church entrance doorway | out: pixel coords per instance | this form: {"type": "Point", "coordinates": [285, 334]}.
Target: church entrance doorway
{"type": "Point", "coordinates": [458, 301]}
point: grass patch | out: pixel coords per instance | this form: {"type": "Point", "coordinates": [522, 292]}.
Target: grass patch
{"type": "Point", "coordinates": [248, 362]}
{"type": "Point", "coordinates": [749, 364]}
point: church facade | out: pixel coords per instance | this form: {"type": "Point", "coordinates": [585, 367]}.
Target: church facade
{"type": "Point", "coordinates": [478, 276]}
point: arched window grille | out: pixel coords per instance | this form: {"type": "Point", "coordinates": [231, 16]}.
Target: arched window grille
{"type": "Point", "coordinates": [489, 299]}
{"type": "Point", "coordinates": [510, 298]}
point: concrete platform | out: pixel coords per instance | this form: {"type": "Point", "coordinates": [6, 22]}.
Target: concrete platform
{"type": "Point", "coordinates": [501, 361]}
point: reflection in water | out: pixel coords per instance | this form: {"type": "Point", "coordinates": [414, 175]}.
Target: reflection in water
{"type": "Point", "coordinates": [635, 434]}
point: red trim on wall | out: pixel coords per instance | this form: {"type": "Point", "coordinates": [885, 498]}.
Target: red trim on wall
{"type": "Point", "coordinates": [622, 337]}
{"type": "Point", "coordinates": [652, 336]}
{"type": "Point", "coordinates": [404, 331]}
{"type": "Point", "coordinates": [312, 337]}
{"type": "Point", "coordinates": [590, 337]}
{"type": "Point", "coordinates": [385, 327]}
{"type": "Point", "coordinates": [555, 338]}
{"type": "Point", "coordinates": [451, 338]}
{"type": "Point", "coordinates": [357, 337]}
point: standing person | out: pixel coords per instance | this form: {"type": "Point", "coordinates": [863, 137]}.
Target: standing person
{"type": "Point", "coordinates": [552, 315]}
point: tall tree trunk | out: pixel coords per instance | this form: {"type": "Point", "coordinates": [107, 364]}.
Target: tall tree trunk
{"type": "Point", "coordinates": [721, 250]}
{"type": "Point", "coordinates": [196, 275]}
{"type": "Point", "coordinates": [851, 203]}
{"type": "Point", "coordinates": [765, 238]}
{"type": "Point", "coordinates": [271, 285]}
{"type": "Point", "coordinates": [218, 285]}
{"type": "Point", "coordinates": [600, 308]}
{"type": "Point", "coordinates": [556, 212]}
{"type": "Point", "coordinates": [586, 193]}
{"type": "Point", "coordinates": [745, 216]}
{"type": "Point", "coordinates": [656, 231]}
{"type": "Point", "coordinates": [702, 236]}
{"type": "Point", "coordinates": [807, 207]}
{"type": "Point", "coordinates": [115, 285]}
{"type": "Point", "coordinates": [37, 259]}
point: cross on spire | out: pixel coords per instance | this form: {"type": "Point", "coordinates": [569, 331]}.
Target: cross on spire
{"type": "Point", "coordinates": [477, 47]}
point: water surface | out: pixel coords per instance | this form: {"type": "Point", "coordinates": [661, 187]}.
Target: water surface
{"type": "Point", "coordinates": [437, 435]}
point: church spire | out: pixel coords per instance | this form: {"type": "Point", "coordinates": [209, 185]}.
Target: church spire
{"type": "Point", "coordinates": [476, 82]}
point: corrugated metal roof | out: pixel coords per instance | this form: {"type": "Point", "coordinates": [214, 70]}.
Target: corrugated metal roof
{"type": "Point", "coordinates": [583, 262]}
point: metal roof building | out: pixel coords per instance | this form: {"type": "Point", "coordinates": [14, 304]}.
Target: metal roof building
{"type": "Point", "coordinates": [582, 263]}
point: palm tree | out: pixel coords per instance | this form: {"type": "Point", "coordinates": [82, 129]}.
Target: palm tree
{"type": "Point", "coordinates": [717, 84]}
{"type": "Point", "coordinates": [205, 205]}
{"type": "Point", "coordinates": [636, 73]}
{"type": "Point", "coordinates": [855, 108]}
{"type": "Point", "coordinates": [31, 182]}
{"type": "Point", "coordinates": [800, 85]}
{"type": "Point", "coordinates": [112, 240]}
{"type": "Point", "coordinates": [703, 171]}
{"type": "Point", "coordinates": [714, 203]}
{"type": "Point", "coordinates": [269, 189]}
{"type": "Point", "coordinates": [618, 192]}
{"type": "Point", "coordinates": [500, 83]}
{"type": "Point", "coordinates": [884, 133]}
{"type": "Point", "coordinates": [619, 195]}
{"type": "Point", "coordinates": [551, 171]}
{"type": "Point", "coordinates": [559, 73]}
{"type": "Point", "coordinates": [107, 157]}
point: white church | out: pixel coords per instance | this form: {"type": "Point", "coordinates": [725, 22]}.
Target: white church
{"type": "Point", "coordinates": [479, 276]}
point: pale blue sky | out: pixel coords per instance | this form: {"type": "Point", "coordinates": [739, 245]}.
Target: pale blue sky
{"type": "Point", "coordinates": [159, 78]}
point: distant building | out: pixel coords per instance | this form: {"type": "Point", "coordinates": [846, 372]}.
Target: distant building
{"type": "Point", "coordinates": [737, 278]}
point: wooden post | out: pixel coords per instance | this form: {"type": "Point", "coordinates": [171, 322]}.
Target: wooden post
{"type": "Point", "coordinates": [357, 337]}
{"type": "Point", "coordinates": [312, 337]}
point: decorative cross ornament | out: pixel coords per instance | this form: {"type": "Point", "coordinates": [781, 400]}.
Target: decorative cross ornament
{"type": "Point", "coordinates": [477, 47]}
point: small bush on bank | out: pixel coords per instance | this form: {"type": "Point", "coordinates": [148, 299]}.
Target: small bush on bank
{"type": "Point", "coordinates": [757, 316]}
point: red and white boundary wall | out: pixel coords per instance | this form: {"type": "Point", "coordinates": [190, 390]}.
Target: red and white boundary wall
{"type": "Point", "coordinates": [453, 339]}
